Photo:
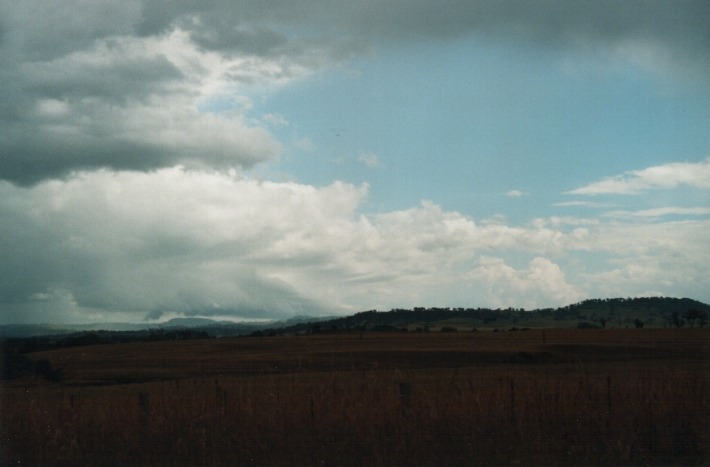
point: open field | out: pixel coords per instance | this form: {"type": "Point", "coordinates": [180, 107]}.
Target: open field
{"type": "Point", "coordinates": [565, 397]}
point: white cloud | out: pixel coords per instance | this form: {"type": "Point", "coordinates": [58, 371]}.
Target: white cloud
{"type": "Point", "coordinates": [370, 159]}
{"type": "Point", "coordinates": [276, 120]}
{"type": "Point", "coordinates": [140, 102]}
{"type": "Point", "coordinates": [516, 193]}
{"type": "Point", "coordinates": [541, 282]}
{"type": "Point", "coordinates": [662, 211]}
{"type": "Point", "coordinates": [632, 276]}
{"type": "Point", "coordinates": [582, 204]}
{"type": "Point", "coordinates": [171, 90]}
{"type": "Point", "coordinates": [692, 174]}
{"type": "Point", "coordinates": [128, 244]}
{"type": "Point", "coordinates": [170, 240]}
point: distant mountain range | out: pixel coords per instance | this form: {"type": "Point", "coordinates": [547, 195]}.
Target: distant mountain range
{"type": "Point", "coordinates": [611, 313]}
{"type": "Point", "coordinates": [215, 327]}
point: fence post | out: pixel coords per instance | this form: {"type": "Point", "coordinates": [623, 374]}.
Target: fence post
{"type": "Point", "coordinates": [512, 401]}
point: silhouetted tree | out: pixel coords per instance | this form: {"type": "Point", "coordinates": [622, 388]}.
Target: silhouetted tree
{"type": "Point", "coordinates": [692, 316]}
{"type": "Point", "coordinates": [677, 322]}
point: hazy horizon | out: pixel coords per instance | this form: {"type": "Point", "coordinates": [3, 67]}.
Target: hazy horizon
{"type": "Point", "coordinates": [249, 161]}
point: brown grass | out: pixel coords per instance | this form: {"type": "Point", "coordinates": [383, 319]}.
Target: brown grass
{"type": "Point", "coordinates": [614, 397]}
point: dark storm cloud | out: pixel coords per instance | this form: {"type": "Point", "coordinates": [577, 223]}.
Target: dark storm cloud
{"type": "Point", "coordinates": [682, 24]}
{"type": "Point", "coordinates": [36, 257]}
{"type": "Point", "coordinates": [37, 30]}
{"type": "Point", "coordinates": [113, 81]}
{"type": "Point", "coordinates": [59, 118]}
{"type": "Point", "coordinates": [252, 41]}
{"type": "Point", "coordinates": [92, 84]}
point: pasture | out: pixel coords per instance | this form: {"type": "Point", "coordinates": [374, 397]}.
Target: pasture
{"type": "Point", "coordinates": [553, 397]}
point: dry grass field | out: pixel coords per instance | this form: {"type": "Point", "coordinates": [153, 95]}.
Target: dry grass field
{"type": "Point", "coordinates": [568, 397]}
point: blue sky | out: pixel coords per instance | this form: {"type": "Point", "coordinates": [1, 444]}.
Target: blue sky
{"type": "Point", "coordinates": [467, 122]}
{"type": "Point", "coordinates": [248, 161]}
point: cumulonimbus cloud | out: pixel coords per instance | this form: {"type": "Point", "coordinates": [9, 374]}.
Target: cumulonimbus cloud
{"type": "Point", "coordinates": [132, 244]}
{"type": "Point", "coordinates": [103, 105]}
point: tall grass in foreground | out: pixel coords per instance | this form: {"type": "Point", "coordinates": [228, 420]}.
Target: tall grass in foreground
{"type": "Point", "coordinates": [523, 415]}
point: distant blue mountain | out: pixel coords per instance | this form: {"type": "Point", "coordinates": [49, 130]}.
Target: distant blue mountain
{"type": "Point", "coordinates": [37, 330]}
{"type": "Point", "coordinates": [194, 322]}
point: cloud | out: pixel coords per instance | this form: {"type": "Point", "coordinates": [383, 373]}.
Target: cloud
{"type": "Point", "coordinates": [127, 103]}
{"type": "Point", "coordinates": [663, 211]}
{"type": "Point", "coordinates": [516, 194]}
{"type": "Point", "coordinates": [126, 84]}
{"type": "Point", "coordinates": [110, 98]}
{"type": "Point", "coordinates": [370, 159]}
{"type": "Point", "coordinates": [276, 120]}
{"type": "Point", "coordinates": [124, 126]}
{"type": "Point", "coordinates": [583, 204]}
{"type": "Point", "coordinates": [542, 281]}
{"type": "Point", "coordinates": [659, 272]}
{"type": "Point", "coordinates": [692, 174]}
{"type": "Point", "coordinates": [172, 240]}
{"type": "Point", "coordinates": [666, 39]}
{"type": "Point", "coordinates": [105, 245]}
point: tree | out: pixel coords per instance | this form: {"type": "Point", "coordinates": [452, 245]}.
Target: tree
{"type": "Point", "coordinates": [677, 322]}
{"type": "Point", "coordinates": [638, 323]}
{"type": "Point", "coordinates": [692, 316]}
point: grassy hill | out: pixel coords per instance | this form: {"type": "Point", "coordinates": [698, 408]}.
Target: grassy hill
{"type": "Point", "coordinates": [654, 312]}
{"type": "Point", "coordinates": [651, 312]}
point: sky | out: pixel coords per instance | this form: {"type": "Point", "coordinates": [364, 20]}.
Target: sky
{"type": "Point", "coordinates": [245, 160]}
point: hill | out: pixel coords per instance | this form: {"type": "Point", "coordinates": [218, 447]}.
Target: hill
{"type": "Point", "coordinates": [657, 312]}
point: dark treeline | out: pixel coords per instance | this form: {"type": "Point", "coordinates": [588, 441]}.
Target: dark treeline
{"type": "Point", "coordinates": [588, 314]}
